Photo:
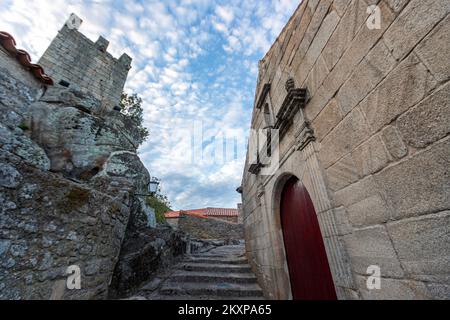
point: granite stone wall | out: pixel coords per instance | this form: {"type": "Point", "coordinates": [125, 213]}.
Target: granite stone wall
{"type": "Point", "coordinates": [370, 143]}
{"type": "Point", "coordinates": [86, 66]}
{"type": "Point", "coordinates": [210, 228]}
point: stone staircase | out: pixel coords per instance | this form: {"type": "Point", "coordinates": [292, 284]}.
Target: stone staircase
{"type": "Point", "coordinates": [222, 273]}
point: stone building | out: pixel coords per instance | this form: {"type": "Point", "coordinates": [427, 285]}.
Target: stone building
{"type": "Point", "coordinates": [75, 61]}
{"type": "Point", "coordinates": [350, 176]}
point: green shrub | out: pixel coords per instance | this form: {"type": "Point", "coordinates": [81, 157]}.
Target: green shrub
{"type": "Point", "coordinates": [23, 126]}
{"type": "Point", "coordinates": [160, 208]}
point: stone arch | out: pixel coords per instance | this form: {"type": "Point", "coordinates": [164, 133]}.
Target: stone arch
{"type": "Point", "coordinates": [308, 170]}
{"type": "Point", "coordinates": [279, 248]}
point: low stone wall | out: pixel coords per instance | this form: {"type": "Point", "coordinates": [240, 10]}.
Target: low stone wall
{"type": "Point", "coordinates": [208, 228]}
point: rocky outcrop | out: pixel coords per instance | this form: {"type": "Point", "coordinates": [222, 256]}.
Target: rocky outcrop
{"type": "Point", "coordinates": [144, 252]}
{"type": "Point", "coordinates": [69, 173]}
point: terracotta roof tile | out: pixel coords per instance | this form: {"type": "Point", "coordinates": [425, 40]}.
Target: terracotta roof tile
{"type": "Point", "coordinates": [224, 212]}
{"type": "Point", "coordinates": [7, 41]}
{"type": "Point", "coordinates": [176, 214]}
{"type": "Point", "coordinates": [205, 212]}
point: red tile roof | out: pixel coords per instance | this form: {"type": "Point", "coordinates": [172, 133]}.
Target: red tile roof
{"type": "Point", "coordinates": [7, 41]}
{"type": "Point", "coordinates": [204, 213]}
{"type": "Point", "coordinates": [223, 212]}
{"type": "Point", "coordinates": [176, 214]}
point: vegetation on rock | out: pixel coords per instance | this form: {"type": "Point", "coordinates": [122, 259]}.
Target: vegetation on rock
{"type": "Point", "coordinates": [131, 105]}
{"type": "Point", "coordinates": [160, 203]}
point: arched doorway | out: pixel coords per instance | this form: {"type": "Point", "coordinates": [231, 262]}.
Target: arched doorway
{"type": "Point", "coordinates": [307, 261]}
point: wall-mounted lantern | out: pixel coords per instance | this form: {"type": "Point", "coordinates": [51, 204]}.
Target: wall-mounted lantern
{"type": "Point", "coordinates": [153, 186]}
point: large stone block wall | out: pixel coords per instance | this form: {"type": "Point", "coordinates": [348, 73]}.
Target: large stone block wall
{"type": "Point", "coordinates": [86, 65]}
{"type": "Point", "coordinates": [378, 170]}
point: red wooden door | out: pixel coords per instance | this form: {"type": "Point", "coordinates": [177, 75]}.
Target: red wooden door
{"type": "Point", "coordinates": [305, 252]}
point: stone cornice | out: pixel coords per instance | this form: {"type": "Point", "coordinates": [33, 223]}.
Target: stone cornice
{"type": "Point", "coordinates": [262, 96]}
{"type": "Point", "coordinates": [295, 100]}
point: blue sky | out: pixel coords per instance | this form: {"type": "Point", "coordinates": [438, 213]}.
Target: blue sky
{"type": "Point", "coordinates": [195, 65]}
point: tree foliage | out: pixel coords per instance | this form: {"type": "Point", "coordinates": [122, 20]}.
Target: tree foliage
{"type": "Point", "coordinates": [132, 107]}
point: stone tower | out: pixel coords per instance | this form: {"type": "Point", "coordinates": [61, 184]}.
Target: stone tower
{"type": "Point", "coordinates": [74, 61]}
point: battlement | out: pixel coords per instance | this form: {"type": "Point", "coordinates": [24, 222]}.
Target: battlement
{"type": "Point", "coordinates": [73, 60]}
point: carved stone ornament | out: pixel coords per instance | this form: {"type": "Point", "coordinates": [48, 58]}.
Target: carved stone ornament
{"type": "Point", "coordinates": [295, 100]}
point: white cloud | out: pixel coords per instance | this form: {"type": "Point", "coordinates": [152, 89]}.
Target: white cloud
{"type": "Point", "coordinates": [225, 13]}
{"type": "Point", "coordinates": [193, 60]}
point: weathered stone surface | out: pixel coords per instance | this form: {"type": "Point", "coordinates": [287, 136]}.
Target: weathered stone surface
{"type": "Point", "coordinates": [372, 69]}
{"type": "Point", "coordinates": [320, 40]}
{"type": "Point", "coordinates": [340, 6]}
{"type": "Point", "coordinates": [319, 14]}
{"type": "Point", "coordinates": [81, 145]}
{"type": "Point", "coordinates": [208, 228]}
{"type": "Point", "coordinates": [434, 48]}
{"type": "Point", "coordinates": [397, 5]}
{"type": "Point", "coordinates": [49, 240]}
{"type": "Point", "coordinates": [16, 142]}
{"type": "Point", "coordinates": [349, 25]}
{"type": "Point", "coordinates": [393, 289]}
{"type": "Point", "coordinates": [346, 136]}
{"type": "Point", "coordinates": [9, 176]}
{"type": "Point", "coordinates": [145, 252]}
{"type": "Point", "coordinates": [427, 186]}
{"type": "Point", "coordinates": [414, 22]}
{"type": "Point", "coordinates": [394, 143]}
{"type": "Point", "coordinates": [317, 75]}
{"type": "Point", "coordinates": [423, 245]}
{"type": "Point", "coordinates": [372, 246]}
{"type": "Point", "coordinates": [342, 173]}
{"type": "Point", "coordinates": [355, 52]}
{"type": "Point", "coordinates": [336, 220]}
{"type": "Point", "coordinates": [16, 94]}
{"type": "Point", "coordinates": [366, 202]}
{"type": "Point", "coordinates": [427, 122]}
{"type": "Point", "coordinates": [368, 211]}
{"type": "Point", "coordinates": [371, 156]}
{"type": "Point", "coordinates": [83, 101]}
{"type": "Point", "coordinates": [125, 165]}
{"type": "Point", "coordinates": [327, 120]}
{"type": "Point", "coordinates": [406, 85]}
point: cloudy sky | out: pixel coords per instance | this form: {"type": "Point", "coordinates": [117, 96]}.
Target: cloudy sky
{"type": "Point", "coordinates": [195, 66]}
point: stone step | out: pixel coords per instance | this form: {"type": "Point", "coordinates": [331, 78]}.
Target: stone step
{"type": "Point", "coordinates": [212, 290]}
{"type": "Point", "coordinates": [216, 260]}
{"type": "Point", "coordinates": [218, 277]}
{"type": "Point", "coordinates": [230, 268]}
